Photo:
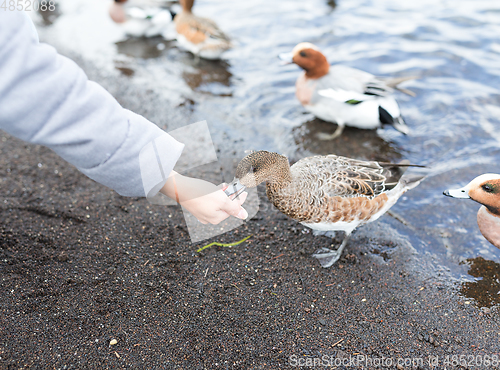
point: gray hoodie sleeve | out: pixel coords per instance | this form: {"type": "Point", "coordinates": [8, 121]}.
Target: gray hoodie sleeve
{"type": "Point", "coordinates": [47, 99]}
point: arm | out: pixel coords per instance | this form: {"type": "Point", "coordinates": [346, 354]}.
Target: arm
{"type": "Point", "coordinates": [47, 99]}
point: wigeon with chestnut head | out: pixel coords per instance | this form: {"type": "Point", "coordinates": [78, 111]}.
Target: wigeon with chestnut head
{"type": "Point", "coordinates": [485, 190]}
{"type": "Point", "coordinates": [344, 95]}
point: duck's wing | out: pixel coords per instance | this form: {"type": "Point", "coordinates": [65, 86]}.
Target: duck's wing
{"type": "Point", "coordinates": [355, 80]}
{"type": "Point", "coordinates": [344, 96]}
{"type": "Point", "coordinates": [198, 28]}
{"type": "Point", "coordinates": [336, 176]}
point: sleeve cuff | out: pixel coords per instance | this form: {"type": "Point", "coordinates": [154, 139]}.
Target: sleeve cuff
{"type": "Point", "coordinates": [157, 162]}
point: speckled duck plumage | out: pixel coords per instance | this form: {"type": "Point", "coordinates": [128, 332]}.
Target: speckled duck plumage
{"type": "Point", "coordinates": [326, 193]}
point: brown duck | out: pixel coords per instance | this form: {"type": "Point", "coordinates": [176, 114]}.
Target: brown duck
{"type": "Point", "coordinates": [325, 193]}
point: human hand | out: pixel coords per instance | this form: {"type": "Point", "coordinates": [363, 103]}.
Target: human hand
{"type": "Point", "coordinates": [204, 200]}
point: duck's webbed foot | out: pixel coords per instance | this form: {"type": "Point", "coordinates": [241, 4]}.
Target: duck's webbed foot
{"type": "Point", "coordinates": [327, 257]}
{"type": "Point", "coordinates": [336, 134]}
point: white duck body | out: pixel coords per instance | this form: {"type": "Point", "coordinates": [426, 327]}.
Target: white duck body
{"type": "Point", "coordinates": [348, 96]}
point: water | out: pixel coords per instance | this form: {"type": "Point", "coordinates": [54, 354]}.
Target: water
{"type": "Point", "coordinates": [249, 101]}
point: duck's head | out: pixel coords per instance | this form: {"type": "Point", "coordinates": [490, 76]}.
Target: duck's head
{"type": "Point", "coordinates": [484, 189]}
{"type": "Point", "coordinates": [261, 166]}
{"type": "Point", "coordinates": [308, 57]}
{"type": "Point", "coordinates": [116, 11]}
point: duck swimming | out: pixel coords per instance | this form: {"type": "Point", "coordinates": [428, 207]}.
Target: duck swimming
{"type": "Point", "coordinates": [485, 190]}
{"type": "Point", "coordinates": [200, 36]}
{"type": "Point", "coordinates": [343, 94]}
{"type": "Point", "coordinates": [325, 193]}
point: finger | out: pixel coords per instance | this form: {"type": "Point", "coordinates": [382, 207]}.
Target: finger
{"type": "Point", "coordinates": [237, 211]}
{"type": "Point", "coordinates": [218, 217]}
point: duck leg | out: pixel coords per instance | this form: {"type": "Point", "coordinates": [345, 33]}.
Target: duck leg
{"type": "Point", "coordinates": [327, 257]}
{"type": "Point", "coordinates": [336, 134]}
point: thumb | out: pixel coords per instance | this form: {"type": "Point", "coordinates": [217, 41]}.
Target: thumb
{"type": "Point", "coordinates": [234, 208]}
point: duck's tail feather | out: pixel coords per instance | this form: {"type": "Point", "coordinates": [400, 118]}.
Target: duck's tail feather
{"type": "Point", "coordinates": [394, 82]}
{"type": "Point", "coordinates": [411, 181]}
{"type": "Point", "coordinates": [395, 172]}
{"type": "Point", "coordinates": [406, 91]}
{"type": "Point", "coordinates": [404, 163]}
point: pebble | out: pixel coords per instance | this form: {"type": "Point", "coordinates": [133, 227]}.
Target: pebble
{"type": "Point", "coordinates": [112, 342]}
{"type": "Point", "coordinates": [62, 257]}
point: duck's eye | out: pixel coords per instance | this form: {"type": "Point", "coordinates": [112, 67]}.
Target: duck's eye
{"type": "Point", "coordinates": [487, 188]}
{"type": "Point", "coordinates": [303, 54]}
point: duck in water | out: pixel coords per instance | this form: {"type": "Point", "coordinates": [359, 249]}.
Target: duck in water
{"type": "Point", "coordinates": [345, 95]}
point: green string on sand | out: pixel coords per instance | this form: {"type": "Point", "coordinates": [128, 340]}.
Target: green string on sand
{"type": "Point", "coordinates": [223, 245]}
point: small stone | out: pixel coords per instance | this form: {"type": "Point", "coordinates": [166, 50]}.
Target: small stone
{"type": "Point", "coordinates": [112, 342]}
{"type": "Point", "coordinates": [431, 339]}
{"type": "Point", "coordinates": [307, 309]}
{"type": "Point", "coordinates": [322, 321]}
{"type": "Point", "coordinates": [400, 367]}
{"type": "Point", "coordinates": [62, 257]}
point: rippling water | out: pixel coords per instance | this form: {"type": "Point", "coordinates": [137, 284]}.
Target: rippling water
{"type": "Point", "coordinates": [453, 46]}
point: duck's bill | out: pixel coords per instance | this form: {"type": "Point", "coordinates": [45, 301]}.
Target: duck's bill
{"type": "Point", "coordinates": [286, 58]}
{"type": "Point", "coordinates": [234, 189]}
{"type": "Point", "coordinates": [462, 193]}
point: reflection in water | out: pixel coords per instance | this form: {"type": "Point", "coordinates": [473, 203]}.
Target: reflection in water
{"type": "Point", "coordinates": [144, 47]}
{"type": "Point", "coordinates": [125, 70]}
{"type": "Point", "coordinates": [353, 143]}
{"type": "Point", "coordinates": [210, 76]}
{"type": "Point", "coordinates": [485, 291]}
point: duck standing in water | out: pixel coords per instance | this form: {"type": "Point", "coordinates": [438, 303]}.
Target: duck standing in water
{"type": "Point", "coordinates": [485, 190]}
{"type": "Point", "coordinates": [325, 193]}
{"type": "Point", "coordinates": [200, 36]}
{"type": "Point", "coordinates": [344, 95]}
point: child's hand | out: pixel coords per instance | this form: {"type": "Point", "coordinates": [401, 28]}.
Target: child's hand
{"type": "Point", "coordinates": [205, 201]}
